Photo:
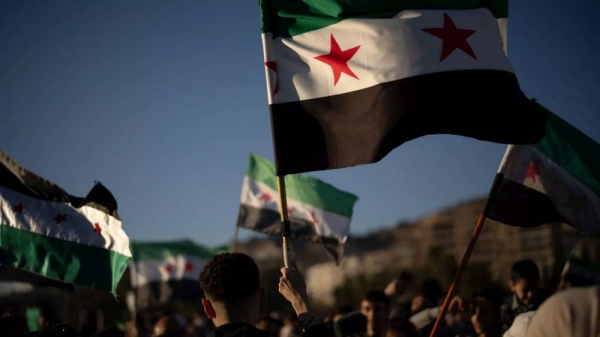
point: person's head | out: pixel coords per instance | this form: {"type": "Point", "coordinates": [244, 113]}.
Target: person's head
{"type": "Point", "coordinates": [486, 304]}
{"type": "Point", "coordinates": [232, 291]}
{"type": "Point", "coordinates": [402, 282]}
{"type": "Point", "coordinates": [375, 305]}
{"type": "Point", "coordinates": [524, 280]}
{"type": "Point", "coordinates": [582, 268]}
{"type": "Point", "coordinates": [432, 291]}
{"type": "Point", "coordinates": [341, 311]}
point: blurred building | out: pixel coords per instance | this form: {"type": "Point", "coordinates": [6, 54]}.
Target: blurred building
{"type": "Point", "coordinates": [450, 230]}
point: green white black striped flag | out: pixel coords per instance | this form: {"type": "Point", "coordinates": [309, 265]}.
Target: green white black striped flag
{"type": "Point", "coordinates": [555, 180]}
{"type": "Point", "coordinates": [45, 230]}
{"type": "Point", "coordinates": [169, 270]}
{"type": "Point", "coordinates": [349, 81]}
{"type": "Point", "coordinates": [317, 211]}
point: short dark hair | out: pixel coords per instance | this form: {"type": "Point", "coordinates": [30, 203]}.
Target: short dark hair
{"type": "Point", "coordinates": [524, 269]}
{"type": "Point", "coordinates": [492, 294]}
{"type": "Point", "coordinates": [432, 290]}
{"type": "Point", "coordinates": [376, 296]}
{"type": "Point", "coordinates": [230, 278]}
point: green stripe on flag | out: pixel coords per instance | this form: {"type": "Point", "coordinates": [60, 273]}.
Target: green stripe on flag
{"type": "Point", "coordinates": [287, 18]}
{"type": "Point", "coordinates": [160, 250]}
{"type": "Point", "coordinates": [303, 188]}
{"type": "Point", "coordinates": [63, 260]}
{"type": "Point", "coordinates": [572, 150]}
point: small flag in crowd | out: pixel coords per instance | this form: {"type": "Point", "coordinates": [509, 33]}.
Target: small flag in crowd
{"type": "Point", "coordinates": [555, 180]}
{"type": "Point", "coordinates": [349, 81]}
{"type": "Point", "coordinates": [164, 271]}
{"type": "Point", "coordinates": [46, 231]}
{"type": "Point", "coordinates": [317, 211]}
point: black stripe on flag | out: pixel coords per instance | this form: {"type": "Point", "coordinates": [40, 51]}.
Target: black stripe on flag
{"type": "Point", "coordinates": [363, 126]}
{"type": "Point", "coordinates": [13, 176]}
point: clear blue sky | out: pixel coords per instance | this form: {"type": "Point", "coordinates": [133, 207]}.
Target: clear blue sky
{"type": "Point", "coordinates": [162, 101]}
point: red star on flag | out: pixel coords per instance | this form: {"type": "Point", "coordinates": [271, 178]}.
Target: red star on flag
{"type": "Point", "coordinates": [338, 59]}
{"type": "Point", "coordinates": [531, 172]}
{"type": "Point", "coordinates": [273, 66]}
{"type": "Point", "coordinates": [453, 38]}
{"type": "Point", "coordinates": [290, 210]}
{"type": "Point", "coordinates": [189, 266]}
{"type": "Point", "coordinates": [60, 218]}
{"type": "Point", "coordinates": [97, 229]}
{"type": "Point", "coordinates": [168, 268]}
{"type": "Point", "coordinates": [265, 197]}
{"type": "Point", "coordinates": [19, 208]}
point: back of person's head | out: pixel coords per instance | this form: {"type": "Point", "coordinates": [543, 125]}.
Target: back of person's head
{"type": "Point", "coordinates": [493, 295]}
{"type": "Point", "coordinates": [376, 296]}
{"type": "Point", "coordinates": [524, 270]}
{"type": "Point", "coordinates": [351, 324]}
{"type": "Point", "coordinates": [230, 278]}
{"type": "Point", "coordinates": [231, 282]}
{"type": "Point", "coordinates": [582, 268]}
{"type": "Point", "coordinates": [432, 290]}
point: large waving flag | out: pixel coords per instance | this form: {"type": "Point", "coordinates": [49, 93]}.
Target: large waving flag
{"type": "Point", "coordinates": [555, 180]}
{"type": "Point", "coordinates": [317, 211]}
{"type": "Point", "coordinates": [46, 231]}
{"type": "Point", "coordinates": [349, 81]}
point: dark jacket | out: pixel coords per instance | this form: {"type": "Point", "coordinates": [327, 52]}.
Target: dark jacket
{"type": "Point", "coordinates": [247, 330]}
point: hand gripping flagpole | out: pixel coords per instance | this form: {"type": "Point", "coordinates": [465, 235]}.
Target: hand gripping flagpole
{"type": "Point", "coordinates": [285, 222]}
{"type": "Point", "coordinates": [465, 259]}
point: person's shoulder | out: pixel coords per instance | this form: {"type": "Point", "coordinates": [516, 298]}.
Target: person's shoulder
{"type": "Point", "coordinates": [574, 295]}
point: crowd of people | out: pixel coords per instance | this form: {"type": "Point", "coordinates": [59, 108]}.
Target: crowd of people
{"type": "Point", "coordinates": [234, 306]}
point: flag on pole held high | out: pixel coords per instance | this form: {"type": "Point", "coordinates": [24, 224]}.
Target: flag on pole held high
{"type": "Point", "coordinates": [555, 180]}
{"type": "Point", "coordinates": [350, 81]}
{"type": "Point", "coordinates": [45, 230]}
{"type": "Point", "coordinates": [170, 270]}
{"type": "Point", "coordinates": [317, 211]}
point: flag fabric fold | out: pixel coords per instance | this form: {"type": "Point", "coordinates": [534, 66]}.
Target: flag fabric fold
{"type": "Point", "coordinates": [318, 211]}
{"type": "Point", "coordinates": [350, 81]}
{"type": "Point", "coordinates": [169, 270]}
{"type": "Point", "coordinates": [554, 180]}
{"type": "Point", "coordinates": [47, 231]}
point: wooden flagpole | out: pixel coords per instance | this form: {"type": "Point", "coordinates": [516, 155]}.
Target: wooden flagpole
{"type": "Point", "coordinates": [285, 222]}
{"type": "Point", "coordinates": [465, 260]}
{"type": "Point", "coordinates": [459, 273]}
